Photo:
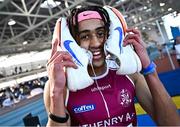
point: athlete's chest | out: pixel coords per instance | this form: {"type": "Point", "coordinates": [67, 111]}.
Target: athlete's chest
{"type": "Point", "coordinates": [108, 101]}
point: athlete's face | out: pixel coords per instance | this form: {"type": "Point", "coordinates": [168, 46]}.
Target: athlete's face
{"type": "Point", "coordinates": [92, 35]}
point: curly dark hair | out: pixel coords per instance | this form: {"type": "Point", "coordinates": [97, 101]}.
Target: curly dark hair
{"type": "Point", "coordinates": [73, 18]}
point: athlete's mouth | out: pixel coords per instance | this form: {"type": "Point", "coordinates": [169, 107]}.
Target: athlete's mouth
{"type": "Point", "coordinates": [97, 55]}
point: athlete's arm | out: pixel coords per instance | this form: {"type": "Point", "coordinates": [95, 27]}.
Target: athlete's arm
{"type": "Point", "coordinates": [155, 100]}
{"type": "Point", "coordinates": [54, 89]}
{"type": "Point", "coordinates": [150, 92]}
{"type": "Point", "coordinates": [61, 110]}
{"type": "Point", "coordinates": [157, 103]}
{"type": "Point", "coordinates": [143, 93]}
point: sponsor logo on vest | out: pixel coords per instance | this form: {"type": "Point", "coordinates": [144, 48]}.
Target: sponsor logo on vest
{"type": "Point", "coordinates": [101, 88]}
{"type": "Point", "coordinates": [84, 108]}
{"type": "Point", "coordinates": [125, 118]}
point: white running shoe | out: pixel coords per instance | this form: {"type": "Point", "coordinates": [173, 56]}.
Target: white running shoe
{"type": "Point", "coordinates": [125, 57]}
{"type": "Point", "coordinates": [76, 78]}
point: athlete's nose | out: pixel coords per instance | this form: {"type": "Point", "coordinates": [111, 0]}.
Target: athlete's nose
{"type": "Point", "coordinates": [95, 41]}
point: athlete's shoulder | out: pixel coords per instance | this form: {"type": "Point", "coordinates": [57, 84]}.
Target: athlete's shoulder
{"type": "Point", "coordinates": [135, 77]}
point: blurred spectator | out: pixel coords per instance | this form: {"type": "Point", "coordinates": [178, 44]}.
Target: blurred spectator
{"type": "Point", "coordinates": [8, 92]}
{"type": "Point", "coordinates": [15, 69]}
{"type": "Point", "coordinates": [2, 97]}
{"type": "Point", "coordinates": [8, 102]}
{"type": "Point", "coordinates": [21, 97]}
{"type": "Point", "coordinates": [1, 74]}
{"type": "Point", "coordinates": [20, 70]}
{"type": "Point", "coordinates": [11, 95]}
{"type": "Point", "coordinates": [26, 90]}
{"type": "Point", "coordinates": [39, 66]}
{"type": "Point", "coordinates": [177, 48]}
{"type": "Point", "coordinates": [36, 91]}
{"type": "Point", "coordinates": [160, 48]}
{"type": "Point", "coordinates": [16, 92]}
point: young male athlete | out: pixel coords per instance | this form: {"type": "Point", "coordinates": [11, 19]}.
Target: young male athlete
{"type": "Point", "coordinates": [109, 101]}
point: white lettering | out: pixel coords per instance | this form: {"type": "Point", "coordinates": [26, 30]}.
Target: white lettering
{"type": "Point", "coordinates": [121, 118]}
{"type": "Point", "coordinates": [85, 125]}
{"type": "Point", "coordinates": [128, 117]}
{"type": "Point", "coordinates": [107, 122]}
{"type": "Point", "coordinates": [101, 88]}
{"type": "Point", "coordinates": [100, 123]}
{"type": "Point", "coordinates": [84, 108]}
{"type": "Point", "coordinates": [94, 124]}
{"type": "Point", "coordinates": [114, 120]}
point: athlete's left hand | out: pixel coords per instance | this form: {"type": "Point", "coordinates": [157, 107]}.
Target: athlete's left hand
{"type": "Point", "coordinates": [134, 37]}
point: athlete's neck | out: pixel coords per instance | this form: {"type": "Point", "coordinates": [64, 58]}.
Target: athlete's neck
{"type": "Point", "coordinates": [97, 70]}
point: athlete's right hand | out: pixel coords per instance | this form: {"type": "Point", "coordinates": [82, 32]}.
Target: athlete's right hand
{"type": "Point", "coordinates": [56, 67]}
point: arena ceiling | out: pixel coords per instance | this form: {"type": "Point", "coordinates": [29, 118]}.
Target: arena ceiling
{"type": "Point", "coordinates": [27, 25]}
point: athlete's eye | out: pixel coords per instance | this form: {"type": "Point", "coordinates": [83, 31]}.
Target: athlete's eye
{"type": "Point", "coordinates": [84, 37]}
{"type": "Point", "coordinates": [101, 33]}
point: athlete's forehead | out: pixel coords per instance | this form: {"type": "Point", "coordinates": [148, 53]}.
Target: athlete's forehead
{"type": "Point", "coordinates": [90, 25]}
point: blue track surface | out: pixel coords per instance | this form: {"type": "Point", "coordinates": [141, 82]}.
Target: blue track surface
{"type": "Point", "coordinates": [171, 81]}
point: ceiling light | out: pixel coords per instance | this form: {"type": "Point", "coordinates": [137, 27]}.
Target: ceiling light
{"type": "Point", "coordinates": [161, 4]}
{"type": "Point", "coordinates": [44, 28]}
{"type": "Point", "coordinates": [148, 10]}
{"type": "Point", "coordinates": [133, 17]}
{"type": "Point", "coordinates": [25, 43]}
{"type": "Point", "coordinates": [145, 7]}
{"type": "Point", "coordinates": [120, 1]}
{"type": "Point", "coordinates": [143, 28]}
{"type": "Point", "coordinates": [79, 6]}
{"type": "Point", "coordinates": [50, 4]}
{"type": "Point", "coordinates": [11, 22]}
{"type": "Point", "coordinates": [169, 9]}
{"type": "Point", "coordinates": [135, 20]}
